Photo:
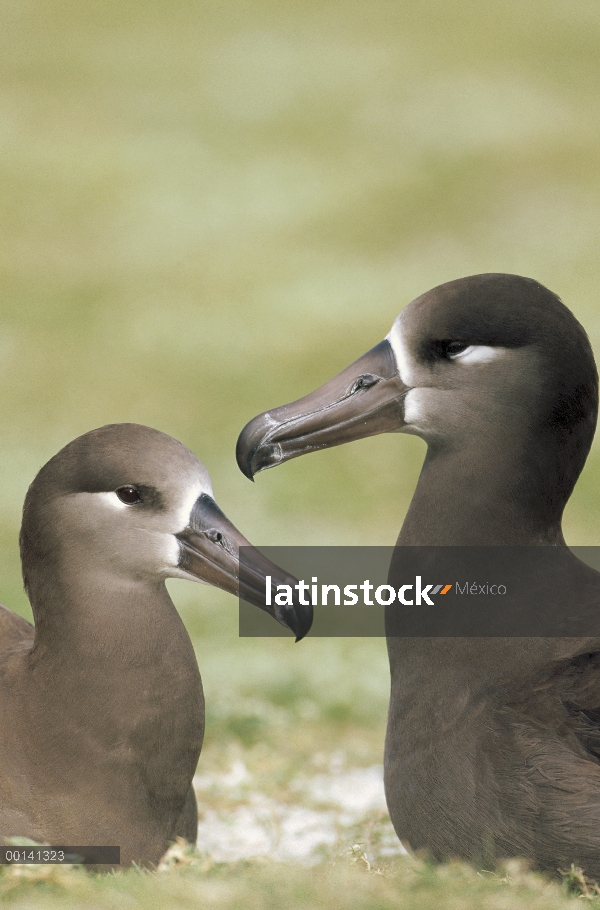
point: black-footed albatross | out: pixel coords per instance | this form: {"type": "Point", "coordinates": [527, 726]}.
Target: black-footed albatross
{"type": "Point", "coordinates": [493, 745]}
{"type": "Point", "coordinates": [101, 704]}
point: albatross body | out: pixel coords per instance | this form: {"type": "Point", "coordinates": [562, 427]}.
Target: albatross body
{"type": "Point", "coordinates": [493, 745]}
{"type": "Point", "coordinates": [101, 704]}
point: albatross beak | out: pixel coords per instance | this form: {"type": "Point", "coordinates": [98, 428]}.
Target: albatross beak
{"type": "Point", "coordinates": [363, 400]}
{"type": "Point", "coordinates": [210, 552]}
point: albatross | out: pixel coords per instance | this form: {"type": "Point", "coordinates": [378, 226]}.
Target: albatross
{"type": "Point", "coordinates": [101, 704]}
{"type": "Point", "coordinates": [493, 744]}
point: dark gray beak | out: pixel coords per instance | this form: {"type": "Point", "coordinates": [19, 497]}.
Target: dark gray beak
{"type": "Point", "coordinates": [365, 399]}
{"type": "Point", "coordinates": [210, 551]}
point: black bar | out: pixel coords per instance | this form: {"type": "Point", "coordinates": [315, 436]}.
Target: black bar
{"type": "Point", "coordinates": [60, 856]}
{"type": "Point", "coordinates": [404, 592]}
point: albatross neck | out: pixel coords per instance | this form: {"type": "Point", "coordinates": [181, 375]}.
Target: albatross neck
{"type": "Point", "coordinates": [99, 617]}
{"type": "Point", "coordinates": [482, 496]}
{"type": "Point", "coordinates": [108, 652]}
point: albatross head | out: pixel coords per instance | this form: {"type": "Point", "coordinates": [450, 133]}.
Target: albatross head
{"type": "Point", "coordinates": [130, 504]}
{"type": "Point", "coordinates": [477, 361]}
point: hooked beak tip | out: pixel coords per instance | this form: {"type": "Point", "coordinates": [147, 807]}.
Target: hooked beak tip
{"type": "Point", "coordinates": [301, 623]}
{"type": "Point", "coordinates": [253, 452]}
{"type": "Point", "coordinates": [244, 454]}
{"type": "Point", "coordinates": [259, 459]}
{"type": "Point", "coordinates": [245, 463]}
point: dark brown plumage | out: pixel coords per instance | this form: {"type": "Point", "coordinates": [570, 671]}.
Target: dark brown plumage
{"type": "Point", "coordinates": [101, 705]}
{"type": "Point", "coordinates": [493, 745]}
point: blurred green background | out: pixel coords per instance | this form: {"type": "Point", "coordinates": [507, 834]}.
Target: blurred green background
{"type": "Point", "coordinates": [207, 209]}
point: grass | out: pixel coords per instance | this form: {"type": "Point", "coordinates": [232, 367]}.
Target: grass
{"type": "Point", "coordinates": [187, 881]}
{"type": "Point", "coordinates": [207, 210]}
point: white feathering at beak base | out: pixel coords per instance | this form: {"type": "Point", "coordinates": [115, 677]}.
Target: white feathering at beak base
{"type": "Point", "coordinates": [406, 368]}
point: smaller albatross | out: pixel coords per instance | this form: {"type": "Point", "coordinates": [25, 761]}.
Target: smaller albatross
{"type": "Point", "coordinates": [101, 704]}
{"type": "Point", "coordinates": [493, 744]}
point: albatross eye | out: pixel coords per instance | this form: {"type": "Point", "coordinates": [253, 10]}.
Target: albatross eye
{"type": "Point", "coordinates": [129, 494]}
{"type": "Point", "coordinates": [454, 348]}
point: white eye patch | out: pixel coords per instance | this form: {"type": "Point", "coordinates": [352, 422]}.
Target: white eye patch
{"type": "Point", "coordinates": [478, 353]}
{"type": "Point", "coordinates": [178, 516]}
{"type": "Point", "coordinates": [407, 368]}
{"type": "Point", "coordinates": [111, 499]}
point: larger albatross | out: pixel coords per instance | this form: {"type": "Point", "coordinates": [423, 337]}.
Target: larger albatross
{"type": "Point", "coordinates": [493, 745]}
{"type": "Point", "coordinates": [101, 705]}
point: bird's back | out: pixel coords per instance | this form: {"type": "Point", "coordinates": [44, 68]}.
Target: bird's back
{"type": "Point", "coordinates": [15, 632]}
